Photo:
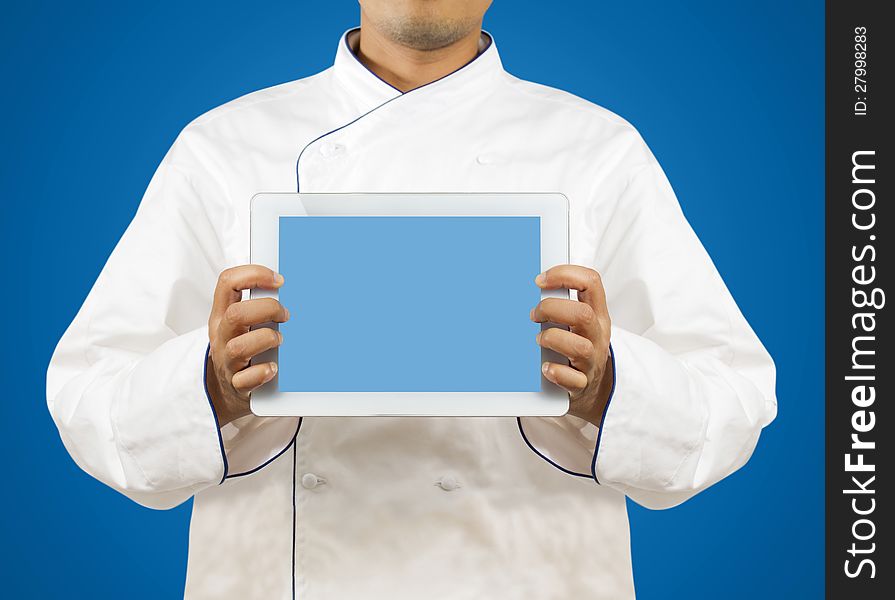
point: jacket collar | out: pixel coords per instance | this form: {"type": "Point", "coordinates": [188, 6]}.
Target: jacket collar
{"type": "Point", "coordinates": [371, 91]}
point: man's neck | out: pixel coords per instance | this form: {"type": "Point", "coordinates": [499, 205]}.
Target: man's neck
{"type": "Point", "coordinates": [407, 68]}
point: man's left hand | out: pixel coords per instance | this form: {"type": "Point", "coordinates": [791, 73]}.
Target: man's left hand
{"type": "Point", "coordinates": [588, 377]}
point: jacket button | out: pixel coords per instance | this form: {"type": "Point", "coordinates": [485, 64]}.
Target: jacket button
{"type": "Point", "coordinates": [448, 483]}
{"type": "Point", "coordinates": [309, 481]}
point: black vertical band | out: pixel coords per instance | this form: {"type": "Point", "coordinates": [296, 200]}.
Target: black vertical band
{"type": "Point", "coordinates": [859, 364]}
{"type": "Point", "coordinates": [294, 515]}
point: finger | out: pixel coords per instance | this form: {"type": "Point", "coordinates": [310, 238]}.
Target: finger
{"type": "Point", "coordinates": [232, 282]}
{"type": "Point", "coordinates": [241, 315]}
{"type": "Point", "coordinates": [577, 315]}
{"type": "Point", "coordinates": [251, 377]}
{"type": "Point", "coordinates": [586, 281]}
{"type": "Point", "coordinates": [242, 348]}
{"type": "Point", "coordinates": [578, 349]}
{"type": "Point", "coordinates": [568, 378]}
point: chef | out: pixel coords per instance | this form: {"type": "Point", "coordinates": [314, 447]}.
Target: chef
{"type": "Point", "coordinates": [669, 387]}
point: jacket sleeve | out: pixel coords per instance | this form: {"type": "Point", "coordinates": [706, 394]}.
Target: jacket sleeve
{"type": "Point", "coordinates": [693, 385]}
{"type": "Point", "coordinates": [126, 383]}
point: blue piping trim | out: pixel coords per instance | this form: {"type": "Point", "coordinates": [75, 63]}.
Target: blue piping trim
{"type": "Point", "coordinates": [345, 39]}
{"type": "Point", "coordinates": [490, 41]}
{"type": "Point", "coordinates": [217, 422]}
{"type": "Point", "coordinates": [535, 450]}
{"type": "Point", "coordinates": [274, 457]}
{"type": "Point", "coordinates": [375, 108]}
{"type": "Point", "coordinates": [593, 462]}
{"type": "Point", "coordinates": [319, 137]}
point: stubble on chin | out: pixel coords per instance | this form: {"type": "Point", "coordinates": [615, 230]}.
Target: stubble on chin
{"type": "Point", "coordinates": [425, 34]}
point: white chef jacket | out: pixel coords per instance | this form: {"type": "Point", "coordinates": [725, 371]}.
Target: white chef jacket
{"type": "Point", "coordinates": [409, 507]}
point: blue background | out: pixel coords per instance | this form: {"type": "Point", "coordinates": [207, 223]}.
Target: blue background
{"type": "Point", "coordinates": [439, 255]}
{"type": "Point", "coordinates": [728, 95]}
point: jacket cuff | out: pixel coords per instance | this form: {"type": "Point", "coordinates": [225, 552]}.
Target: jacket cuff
{"type": "Point", "coordinates": [166, 427]}
{"type": "Point", "coordinates": [651, 427]}
{"type": "Point", "coordinates": [568, 443]}
{"type": "Point", "coordinates": [250, 443]}
{"type": "Point", "coordinates": [214, 412]}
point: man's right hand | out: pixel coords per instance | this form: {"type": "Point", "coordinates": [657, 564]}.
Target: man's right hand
{"type": "Point", "coordinates": [229, 377]}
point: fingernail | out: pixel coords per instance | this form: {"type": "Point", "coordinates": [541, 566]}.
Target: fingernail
{"type": "Point", "coordinates": [541, 279]}
{"type": "Point", "coordinates": [545, 367]}
{"type": "Point", "coordinates": [273, 368]}
{"type": "Point", "coordinates": [278, 279]}
{"type": "Point", "coordinates": [538, 337]}
{"type": "Point", "coordinates": [280, 336]}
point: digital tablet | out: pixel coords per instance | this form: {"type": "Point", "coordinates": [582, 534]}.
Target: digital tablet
{"type": "Point", "coordinates": [409, 304]}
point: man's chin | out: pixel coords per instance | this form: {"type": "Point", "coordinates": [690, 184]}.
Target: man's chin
{"type": "Point", "coordinates": [427, 35]}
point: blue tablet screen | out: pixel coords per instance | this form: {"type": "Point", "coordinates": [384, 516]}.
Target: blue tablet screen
{"type": "Point", "coordinates": [409, 304]}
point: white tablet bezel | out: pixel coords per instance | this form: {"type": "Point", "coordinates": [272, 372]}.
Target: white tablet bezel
{"type": "Point", "coordinates": [266, 210]}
